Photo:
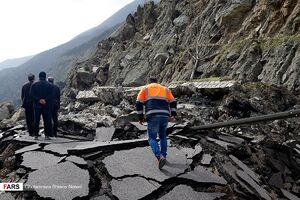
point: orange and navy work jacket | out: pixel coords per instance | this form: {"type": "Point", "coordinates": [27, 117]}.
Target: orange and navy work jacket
{"type": "Point", "coordinates": [158, 101]}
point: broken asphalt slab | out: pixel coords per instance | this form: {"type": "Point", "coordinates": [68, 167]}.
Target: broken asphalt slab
{"type": "Point", "coordinates": [76, 160]}
{"type": "Point", "coordinates": [259, 189]}
{"type": "Point", "coordinates": [230, 169]}
{"type": "Point", "coordinates": [89, 147]}
{"type": "Point", "coordinates": [18, 127]}
{"type": "Point", "coordinates": [245, 168]}
{"type": "Point", "coordinates": [41, 140]}
{"type": "Point", "coordinates": [141, 161]}
{"type": "Point", "coordinates": [6, 196]}
{"type": "Point", "coordinates": [202, 175]}
{"type": "Point", "coordinates": [231, 139]}
{"type": "Point", "coordinates": [28, 148]}
{"type": "Point", "coordinates": [289, 195]}
{"type": "Point", "coordinates": [133, 187]}
{"type": "Point", "coordinates": [187, 193]}
{"type": "Point", "coordinates": [62, 181]}
{"type": "Point", "coordinates": [191, 152]}
{"type": "Point", "coordinates": [38, 160]}
{"type": "Point", "coordinates": [61, 148]}
{"type": "Point", "coordinates": [225, 145]}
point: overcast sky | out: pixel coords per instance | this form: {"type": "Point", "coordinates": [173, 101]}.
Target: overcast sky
{"type": "Point", "coordinates": [28, 27]}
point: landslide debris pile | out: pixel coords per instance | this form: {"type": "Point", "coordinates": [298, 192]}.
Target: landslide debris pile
{"type": "Point", "coordinates": [101, 152]}
{"type": "Point", "coordinates": [176, 40]}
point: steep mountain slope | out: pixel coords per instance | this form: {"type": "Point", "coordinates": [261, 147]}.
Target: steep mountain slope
{"type": "Point", "coordinates": [14, 62]}
{"type": "Point", "coordinates": [59, 60]}
{"type": "Point", "coordinates": [245, 40]}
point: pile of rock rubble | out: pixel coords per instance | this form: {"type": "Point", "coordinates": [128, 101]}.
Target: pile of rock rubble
{"type": "Point", "coordinates": [101, 152]}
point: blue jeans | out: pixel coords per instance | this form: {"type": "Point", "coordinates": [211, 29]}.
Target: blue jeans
{"type": "Point", "coordinates": [158, 125]}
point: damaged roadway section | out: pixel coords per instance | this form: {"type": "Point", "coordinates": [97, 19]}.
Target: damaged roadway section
{"type": "Point", "coordinates": [59, 148]}
{"type": "Point", "coordinates": [39, 160]}
{"type": "Point", "coordinates": [248, 162]}
{"type": "Point", "coordinates": [202, 175]}
{"type": "Point", "coordinates": [141, 161]}
{"type": "Point", "coordinates": [187, 193]}
{"type": "Point", "coordinates": [133, 187]}
{"type": "Point", "coordinates": [28, 148]}
{"type": "Point", "coordinates": [62, 181]}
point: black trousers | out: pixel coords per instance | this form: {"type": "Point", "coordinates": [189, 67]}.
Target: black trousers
{"type": "Point", "coordinates": [29, 114]}
{"type": "Point", "coordinates": [55, 121]}
{"type": "Point", "coordinates": [46, 113]}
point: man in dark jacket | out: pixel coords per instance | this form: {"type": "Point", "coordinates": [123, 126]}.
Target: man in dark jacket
{"type": "Point", "coordinates": [55, 106]}
{"type": "Point", "coordinates": [42, 94]}
{"type": "Point", "coordinates": [27, 104]}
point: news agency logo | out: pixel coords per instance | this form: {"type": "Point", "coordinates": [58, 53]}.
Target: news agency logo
{"type": "Point", "coordinates": [11, 187]}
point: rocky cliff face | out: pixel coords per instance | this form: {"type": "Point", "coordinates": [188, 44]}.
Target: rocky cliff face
{"type": "Point", "coordinates": [246, 40]}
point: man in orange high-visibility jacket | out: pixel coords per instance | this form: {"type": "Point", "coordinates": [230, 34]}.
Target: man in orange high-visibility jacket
{"type": "Point", "coordinates": [160, 105]}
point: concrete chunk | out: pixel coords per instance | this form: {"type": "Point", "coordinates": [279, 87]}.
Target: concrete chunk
{"type": "Point", "coordinates": [87, 96]}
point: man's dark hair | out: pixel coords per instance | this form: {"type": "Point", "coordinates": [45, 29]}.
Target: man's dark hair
{"type": "Point", "coordinates": [42, 75]}
{"type": "Point", "coordinates": [30, 77]}
{"type": "Point", "coordinates": [152, 80]}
